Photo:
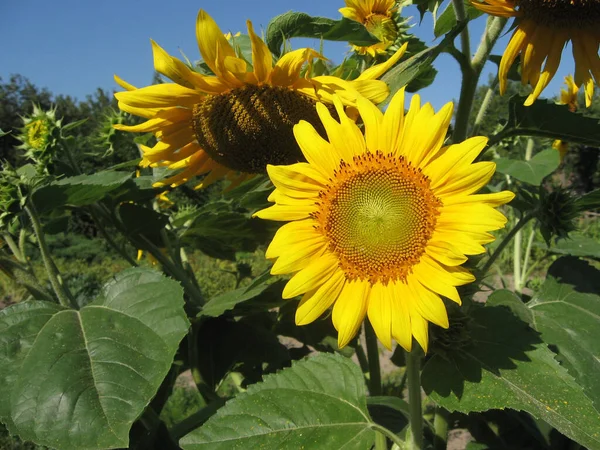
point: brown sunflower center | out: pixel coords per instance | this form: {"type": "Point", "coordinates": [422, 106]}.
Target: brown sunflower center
{"type": "Point", "coordinates": [249, 127]}
{"type": "Point", "coordinates": [562, 13]}
{"type": "Point", "coordinates": [378, 214]}
{"type": "Point", "coordinates": [382, 27]}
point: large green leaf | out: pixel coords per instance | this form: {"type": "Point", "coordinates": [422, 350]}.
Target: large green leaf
{"type": "Point", "coordinates": [547, 119]}
{"type": "Point", "coordinates": [589, 201]}
{"type": "Point", "coordinates": [318, 403]}
{"type": "Point", "coordinates": [296, 24]}
{"type": "Point", "coordinates": [79, 379]}
{"type": "Point", "coordinates": [408, 70]}
{"type": "Point", "coordinates": [577, 244]}
{"type": "Point", "coordinates": [533, 171]}
{"type": "Point", "coordinates": [506, 365]}
{"type": "Point", "coordinates": [566, 311]}
{"type": "Point", "coordinates": [81, 190]}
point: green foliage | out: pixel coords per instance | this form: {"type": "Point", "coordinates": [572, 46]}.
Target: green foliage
{"type": "Point", "coordinates": [295, 24]}
{"type": "Point", "coordinates": [106, 361]}
{"type": "Point", "coordinates": [317, 403]}
{"type": "Point", "coordinates": [533, 171]}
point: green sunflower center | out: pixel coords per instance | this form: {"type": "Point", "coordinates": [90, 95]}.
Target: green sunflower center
{"type": "Point", "coordinates": [382, 27]}
{"type": "Point", "coordinates": [562, 13]}
{"type": "Point", "coordinates": [378, 214]}
{"type": "Point", "coordinates": [249, 127]}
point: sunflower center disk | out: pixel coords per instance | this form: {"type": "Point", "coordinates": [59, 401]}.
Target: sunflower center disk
{"type": "Point", "coordinates": [378, 216]}
{"type": "Point", "coordinates": [563, 13]}
{"type": "Point", "coordinates": [249, 127]}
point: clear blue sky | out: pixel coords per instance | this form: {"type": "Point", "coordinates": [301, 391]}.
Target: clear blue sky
{"type": "Point", "coordinates": [72, 47]}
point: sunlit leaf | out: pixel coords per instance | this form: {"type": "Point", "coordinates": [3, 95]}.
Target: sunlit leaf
{"type": "Point", "coordinates": [507, 365]}
{"type": "Point", "coordinates": [577, 244]}
{"type": "Point", "coordinates": [533, 171]}
{"type": "Point", "coordinates": [79, 379]}
{"type": "Point", "coordinates": [447, 20]}
{"type": "Point", "coordinates": [81, 190]}
{"type": "Point", "coordinates": [318, 403]}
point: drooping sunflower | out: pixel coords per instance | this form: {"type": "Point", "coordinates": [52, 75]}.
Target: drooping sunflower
{"type": "Point", "coordinates": [234, 123]}
{"type": "Point", "coordinates": [380, 224]}
{"type": "Point", "coordinates": [568, 96]}
{"type": "Point", "coordinates": [544, 28]}
{"type": "Point", "coordinates": [377, 17]}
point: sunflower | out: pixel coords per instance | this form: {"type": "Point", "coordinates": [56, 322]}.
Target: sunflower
{"type": "Point", "coordinates": [568, 97]}
{"type": "Point", "coordinates": [380, 223]}
{"type": "Point", "coordinates": [234, 123]}
{"type": "Point", "coordinates": [544, 28]}
{"type": "Point", "coordinates": [377, 17]}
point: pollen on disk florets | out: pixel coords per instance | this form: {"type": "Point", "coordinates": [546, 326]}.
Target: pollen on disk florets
{"type": "Point", "coordinates": [378, 215]}
{"type": "Point", "coordinates": [562, 13]}
{"type": "Point", "coordinates": [249, 127]}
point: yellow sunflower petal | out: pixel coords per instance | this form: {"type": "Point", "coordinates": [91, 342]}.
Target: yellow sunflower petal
{"type": "Point", "coordinates": [298, 180]}
{"type": "Point", "coordinates": [262, 61]}
{"type": "Point", "coordinates": [212, 44]}
{"type": "Point", "coordinates": [393, 122]}
{"type": "Point", "coordinates": [423, 274]}
{"type": "Point", "coordinates": [285, 212]}
{"type": "Point", "coordinates": [349, 310]}
{"type": "Point", "coordinates": [379, 69]}
{"type": "Point", "coordinates": [514, 47]}
{"type": "Point", "coordinates": [298, 230]}
{"type": "Point", "coordinates": [160, 96]}
{"type": "Point", "coordinates": [317, 151]}
{"type": "Point", "coordinates": [299, 255]}
{"type": "Point", "coordinates": [124, 84]}
{"type": "Point", "coordinates": [380, 310]}
{"type": "Point", "coordinates": [401, 325]}
{"type": "Point", "coordinates": [287, 70]}
{"type": "Point", "coordinates": [315, 302]}
{"type": "Point", "coordinates": [420, 328]}
{"type": "Point", "coordinates": [374, 130]}
{"type": "Point", "coordinates": [428, 304]}
{"type": "Point", "coordinates": [311, 277]}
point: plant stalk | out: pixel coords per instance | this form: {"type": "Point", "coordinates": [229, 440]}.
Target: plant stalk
{"type": "Point", "coordinates": [373, 354]}
{"type": "Point", "coordinates": [520, 224]}
{"type": "Point", "coordinates": [413, 369]}
{"type": "Point", "coordinates": [440, 428]}
{"type": "Point", "coordinates": [472, 71]}
{"type": "Point", "coordinates": [485, 104]}
{"type": "Point", "coordinates": [62, 292]}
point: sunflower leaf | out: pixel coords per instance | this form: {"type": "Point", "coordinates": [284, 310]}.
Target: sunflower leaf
{"type": "Point", "coordinates": [79, 379]}
{"type": "Point", "coordinates": [577, 244]}
{"type": "Point", "coordinates": [503, 366]}
{"type": "Point", "coordinates": [408, 70]}
{"type": "Point", "coordinates": [533, 171]}
{"type": "Point", "coordinates": [547, 119]}
{"type": "Point", "coordinates": [566, 311]}
{"type": "Point", "coordinates": [296, 24]}
{"type": "Point", "coordinates": [81, 190]}
{"type": "Point", "coordinates": [589, 201]}
{"type": "Point", "coordinates": [318, 403]}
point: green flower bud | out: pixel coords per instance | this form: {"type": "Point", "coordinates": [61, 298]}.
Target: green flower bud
{"type": "Point", "coordinates": [556, 213]}
{"type": "Point", "coordinates": [39, 135]}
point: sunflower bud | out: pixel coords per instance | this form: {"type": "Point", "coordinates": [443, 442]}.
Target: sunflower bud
{"type": "Point", "coordinates": [456, 336]}
{"type": "Point", "coordinates": [11, 198]}
{"type": "Point", "coordinates": [40, 134]}
{"type": "Point", "coordinates": [556, 213]}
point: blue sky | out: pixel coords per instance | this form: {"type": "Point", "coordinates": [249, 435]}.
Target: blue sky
{"type": "Point", "coordinates": [72, 47]}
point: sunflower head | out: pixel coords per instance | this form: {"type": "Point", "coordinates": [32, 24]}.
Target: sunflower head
{"type": "Point", "coordinates": [239, 119]}
{"type": "Point", "coordinates": [379, 18]}
{"type": "Point", "coordinates": [380, 222]}
{"type": "Point", "coordinates": [568, 95]}
{"type": "Point", "coordinates": [543, 29]}
{"type": "Point", "coordinates": [39, 134]}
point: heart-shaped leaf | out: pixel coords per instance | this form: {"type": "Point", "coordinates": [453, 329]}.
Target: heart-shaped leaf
{"type": "Point", "coordinates": [533, 171]}
{"type": "Point", "coordinates": [79, 379]}
{"type": "Point", "coordinates": [318, 403]}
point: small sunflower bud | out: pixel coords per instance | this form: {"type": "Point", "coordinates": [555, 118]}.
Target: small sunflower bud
{"type": "Point", "coordinates": [556, 213]}
{"type": "Point", "coordinates": [39, 135]}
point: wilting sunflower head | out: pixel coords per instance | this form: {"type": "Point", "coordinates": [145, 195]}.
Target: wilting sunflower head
{"type": "Point", "coordinates": [378, 18]}
{"type": "Point", "coordinates": [235, 122]}
{"type": "Point", "coordinates": [380, 223]}
{"type": "Point", "coordinates": [543, 29]}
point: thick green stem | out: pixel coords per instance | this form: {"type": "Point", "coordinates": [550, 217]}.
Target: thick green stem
{"type": "Point", "coordinates": [62, 292]}
{"type": "Point", "coordinates": [485, 104]}
{"type": "Point", "coordinates": [520, 224]}
{"type": "Point", "coordinates": [387, 433]}
{"type": "Point", "coordinates": [205, 391]}
{"type": "Point", "coordinates": [413, 370]}
{"type": "Point", "coordinates": [373, 354]}
{"type": "Point", "coordinates": [517, 260]}
{"type": "Point", "coordinates": [461, 16]}
{"type": "Point", "coordinates": [524, 273]}
{"type": "Point", "coordinates": [362, 358]}
{"type": "Point", "coordinates": [471, 73]}
{"type": "Point", "coordinates": [440, 428]}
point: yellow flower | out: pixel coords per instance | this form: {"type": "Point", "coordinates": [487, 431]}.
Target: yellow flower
{"type": "Point", "coordinates": [568, 96]}
{"type": "Point", "coordinates": [380, 223]}
{"type": "Point", "coordinates": [377, 17]}
{"type": "Point", "coordinates": [236, 122]}
{"type": "Point", "coordinates": [544, 28]}
{"type": "Point", "coordinates": [562, 147]}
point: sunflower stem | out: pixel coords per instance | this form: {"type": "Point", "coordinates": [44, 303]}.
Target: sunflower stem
{"type": "Point", "coordinates": [485, 104]}
{"type": "Point", "coordinates": [520, 224]}
{"type": "Point", "coordinates": [62, 292]}
{"type": "Point", "coordinates": [518, 243]}
{"type": "Point", "coordinates": [461, 16]}
{"type": "Point", "coordinates": [472, 71]}
{"type": "Point", "coordinates": [373, 354]}
{"type": "Point", "coordinates": [362, 358]}
{"type": "Point", "coordinates": [413, 370]}
{"type": "Point", "coordinates": [524, 273]}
